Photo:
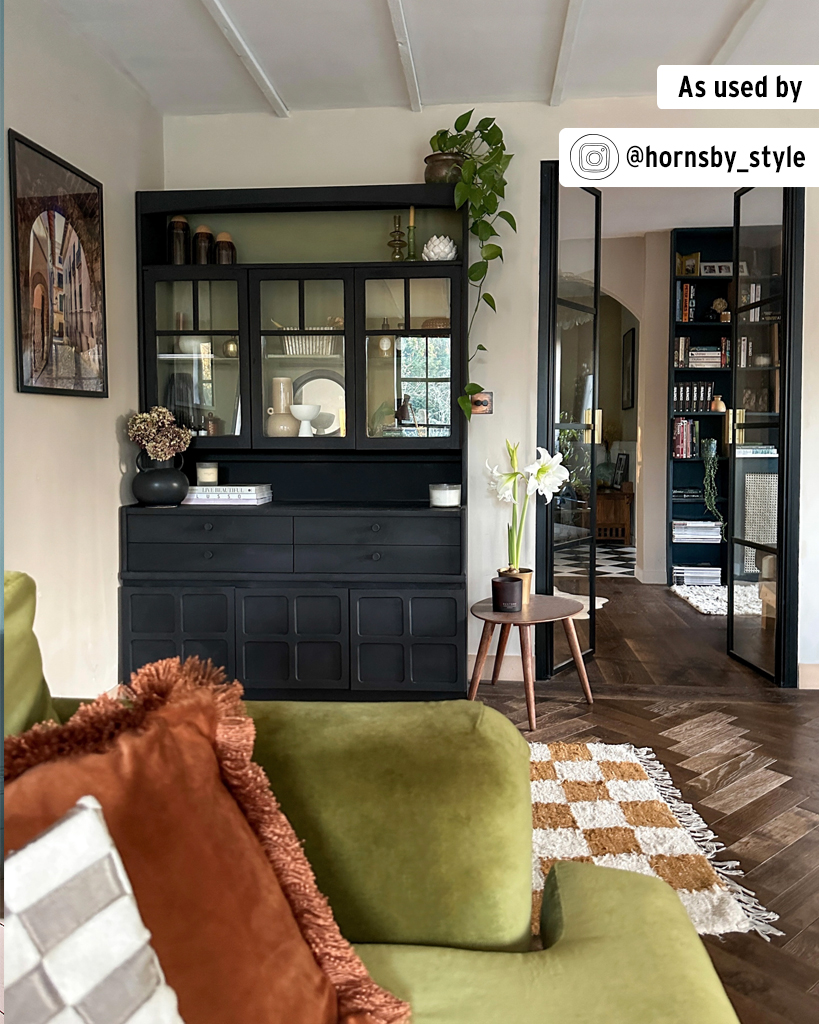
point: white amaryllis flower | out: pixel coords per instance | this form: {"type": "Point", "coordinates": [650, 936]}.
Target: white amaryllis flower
{"type": "Point", "coordinates": [546, 475]}
{"type": "Point", "coordinates": [503, 483]}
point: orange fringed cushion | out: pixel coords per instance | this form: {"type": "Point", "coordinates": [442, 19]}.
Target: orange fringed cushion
{"type": "Point", "coordinates": [199, 830]}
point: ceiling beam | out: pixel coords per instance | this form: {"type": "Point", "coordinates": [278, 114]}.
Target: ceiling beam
{"type": "Point", "coordinates": [217, 11]}
{"type": "Point", "coordinates": [564, 56]}
{"type": "Point", "coordinates": [739, 31]}
{"type": "Point", "coordinates": [399, 27]}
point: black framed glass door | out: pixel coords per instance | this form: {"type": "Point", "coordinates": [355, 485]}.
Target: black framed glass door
{"type": "Point", "coordinates": [764, 431]}
{"type": "Point", "coordinates": [569, 419]}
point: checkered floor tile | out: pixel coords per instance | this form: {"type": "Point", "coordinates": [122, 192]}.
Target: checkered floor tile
{"type": "Point", "coordinates": [612, 560]}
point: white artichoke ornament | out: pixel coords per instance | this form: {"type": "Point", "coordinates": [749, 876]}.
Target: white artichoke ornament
{"type": "Point", "coordinates": [439, 248]}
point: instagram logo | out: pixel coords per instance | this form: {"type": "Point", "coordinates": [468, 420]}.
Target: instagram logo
{"type": "Point", "coordinates": [594, 157]}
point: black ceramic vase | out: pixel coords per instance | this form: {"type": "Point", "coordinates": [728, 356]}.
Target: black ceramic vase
{"type": "Point", "coordinates": [159, 483]}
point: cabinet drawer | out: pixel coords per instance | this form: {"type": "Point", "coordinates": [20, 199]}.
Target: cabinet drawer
{"type": "Point", "coordinates": [376, 559]}
{"type": "Point", "coordinates": [378, 530]}
{"type": "Point", "coordinates": [217, 557]}
{"type": "Point", "coordinates": [210, 529]}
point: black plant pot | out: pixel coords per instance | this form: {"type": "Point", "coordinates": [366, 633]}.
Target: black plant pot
{"type": "Point", "coordinates": [159, 483]}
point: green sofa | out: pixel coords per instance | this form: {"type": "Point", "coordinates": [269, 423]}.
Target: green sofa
{"type": "Point", "coordinates": [417, 821]}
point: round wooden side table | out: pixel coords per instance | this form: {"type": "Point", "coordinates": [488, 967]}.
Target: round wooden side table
{"type": "Point", "coordinates": [539, 609]}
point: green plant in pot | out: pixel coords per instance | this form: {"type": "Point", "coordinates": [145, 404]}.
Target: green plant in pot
{"type": "Point", "coordinates": [159, 481]}
{"type": "Point", "coordinates": [544, 476]}
{"type": "Point", "coordinates": [476, 159]}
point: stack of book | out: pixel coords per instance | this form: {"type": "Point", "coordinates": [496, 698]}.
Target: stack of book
{"type": "Point", "coordinates": [715, 356]}
{"type": "Point", "coordinates": [696, 575]}
{"type": "Point", "coordinates": [222, 494]}
{"type": "Point", "coordinates": [686, 438]}
{"type": "Point", "coordinates": [687, 493]}
{"type": "Point", "coordinates": [756, 451]}
{"type": "Point", "coordinates": [693, 396]}
{"type": "Point", "coordinates": [696, 531]}
{"type": "Point", "coordinates": [685, 302]}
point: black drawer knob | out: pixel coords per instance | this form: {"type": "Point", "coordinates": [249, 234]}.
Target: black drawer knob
{"type": "Point", "coordinates": [376, 556]}
{"type": "Point", "coordinates": [208, 527]}
{"type": "Point", "coordinates": [207, 554]}
{"type": "Point", "coordinates": [375, 527]}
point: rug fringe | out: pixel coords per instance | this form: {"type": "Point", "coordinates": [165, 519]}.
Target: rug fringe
{"type": "Point", "coordinates": [759, 917]}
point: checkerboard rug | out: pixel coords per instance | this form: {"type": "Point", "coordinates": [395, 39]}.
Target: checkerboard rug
{"type": "Point", "coordinates": [616, 806]}
{"type": "Point", "coordinates": [611, 560]}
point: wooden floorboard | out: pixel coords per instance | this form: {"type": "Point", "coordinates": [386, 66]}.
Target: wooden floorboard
{"type": "Point", "coordinates": [743, 752]}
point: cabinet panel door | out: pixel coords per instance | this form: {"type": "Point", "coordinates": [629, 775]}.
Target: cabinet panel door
{"type": "Point", "coordinates": [408, 639]}
{"type": "Point", "coordinates": [291, 637]}
{"type": "Point", "coordinates": [170, 622]}
{"type": "Point", "coordinates": [196, 350]}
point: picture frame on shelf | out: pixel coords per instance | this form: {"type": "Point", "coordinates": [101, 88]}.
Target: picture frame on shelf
{"type": "Point", "coordinates": [688, 266]}
{"type": "Point", "coordinates": [58, 272]}
{"type": "Point", "coordinates": [628, 365]}
{"type": "Point", "coordinates": [620, 471]}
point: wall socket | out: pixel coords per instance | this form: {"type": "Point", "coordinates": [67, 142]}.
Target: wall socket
{"type": "Point", "coordinates": [482, 404]}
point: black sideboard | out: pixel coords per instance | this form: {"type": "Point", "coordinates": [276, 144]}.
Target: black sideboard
{"type": "Point", "coordinates": [300, 602]}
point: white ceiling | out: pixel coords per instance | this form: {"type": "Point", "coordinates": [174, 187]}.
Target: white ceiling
{"type": "Point", "coordinates": [330, 54]}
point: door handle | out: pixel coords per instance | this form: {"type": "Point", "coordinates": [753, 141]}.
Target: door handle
{"type": "Point", "coordinates": [375, 527]}
{"type": "Point", "coordinates": [598, 426]}
{"type": "Point", "coordinates": [376, 556]}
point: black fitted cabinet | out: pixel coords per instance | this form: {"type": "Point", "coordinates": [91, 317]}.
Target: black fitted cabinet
{"type": "Point", "coordinates": [347, 586]}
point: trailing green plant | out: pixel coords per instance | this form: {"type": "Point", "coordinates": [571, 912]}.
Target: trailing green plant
{"type": "Point", "coordinates": [710, 464]}
{"type": "Point", "coordinates": [482, 186]}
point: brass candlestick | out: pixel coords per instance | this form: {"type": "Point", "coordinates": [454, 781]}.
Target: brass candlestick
{"type": "Point", "coordinates": [397, 244]}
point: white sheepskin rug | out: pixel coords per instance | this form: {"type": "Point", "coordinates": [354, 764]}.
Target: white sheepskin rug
{"type": "Point", "coordinates": [714, 600]}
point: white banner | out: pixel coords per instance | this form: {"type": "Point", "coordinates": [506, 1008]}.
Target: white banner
{"type": "Point", "coordinates": [738, 86]}
{"type": "Point", "coordinates": [690, 157]}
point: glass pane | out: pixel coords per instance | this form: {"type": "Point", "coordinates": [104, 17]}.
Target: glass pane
{"type": "Point", "coordinates": [198, 380]}
{"type": "Point", "coordinates": [323, 305]}
{"type": "Point", "coordinates": [303, 381]}
{"type": "Point", "coordinates": [384, 304]}
{"type": "Point", "coordinates": [756, 488]}
{"type": "Point", "coordinates": [218, 306]}
{"type": "Point", "coordinates": [760, 247]}
{"type": "Point", "coordinates": [571, 577]}
{"type": "Point", "coordinates": [429, 303]}
{"type": "Point", "coordinates": [754, 594]}
{"type": "Point", "coordinates": [409, 389]}
{"type": "Point", "coordinates": [576, 246]}
{"type": "Point", "coordinates": [279, 305]}
{"type": "Point", "coordinates": [174, 305]}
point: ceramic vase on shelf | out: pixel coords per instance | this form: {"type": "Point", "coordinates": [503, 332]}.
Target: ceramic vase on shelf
{"type": "Point", "coordinates": [202, 246]}
{"type": "Point", "coordinates": [160, 484]}
{"type": "Point", "coordinates": [525, 577]}
{"type": "Point", "coordinates": [717, 404]}
{"type": "Point", "coordinates": [280, 421]}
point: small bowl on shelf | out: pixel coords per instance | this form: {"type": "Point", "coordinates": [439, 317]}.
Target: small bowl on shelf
{"type": "Point", "coordinates": [305, 413]}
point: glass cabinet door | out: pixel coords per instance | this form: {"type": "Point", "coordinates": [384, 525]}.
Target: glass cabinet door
{"type": "Point", "coordinates": [199, 367]}
{"type": "Point", "coordinates": [411, 370]}
{"type": "Point", "coordinates": [300, 341]}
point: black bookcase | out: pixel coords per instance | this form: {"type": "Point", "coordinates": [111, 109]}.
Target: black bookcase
{"type": "Point", "coordinates": [711, 250]}
{"type": "Point", "coordinates": [347, 586]}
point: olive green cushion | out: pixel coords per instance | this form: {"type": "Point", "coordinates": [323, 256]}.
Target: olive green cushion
{"type": "Point", "coordinates": [25, 693]}
{"type": "Point", "coordinates": [416, 817]}
{"type": "Point", "coordinates": [626, 954]}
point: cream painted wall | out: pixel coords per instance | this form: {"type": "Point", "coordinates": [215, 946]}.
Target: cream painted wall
{"type": "Point", "coordinates": [64, 460]}
{"type": "Point", "coordinates": [346, 147]}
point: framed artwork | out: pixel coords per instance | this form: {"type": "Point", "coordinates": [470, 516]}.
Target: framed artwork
{"type": "Point", "coordinates": [688, 265]}
{"type": "Point", "coordinates": [620, 471]}
{"type": "Point", "coordinates": [629, 339]}
{"type": "Point", "coordinates": [58, 266]}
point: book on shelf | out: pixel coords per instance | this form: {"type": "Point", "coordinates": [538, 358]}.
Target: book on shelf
{"type": "Point", "coordinates": [756, 451]}
{"type": "Point", "coordinates": [696, 575]}
{"type": "Point", "coordinates": [715, 356]}
{"type": "Point", "coordinates": [687, 494]}
{"type": "Point", "coordinates": [685, 437]}
{"type": "Point", "coordinates": [235, 502]}
{"type": "Point", "coordinates": [686, 304]}
{"type": "Point", "coordinates": [693, 396]}
{"type": "Point", "coordinates": [696, 531]}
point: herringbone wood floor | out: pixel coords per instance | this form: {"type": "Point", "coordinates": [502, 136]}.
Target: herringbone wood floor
{"type": "Point", "coordinates": [744, 753]}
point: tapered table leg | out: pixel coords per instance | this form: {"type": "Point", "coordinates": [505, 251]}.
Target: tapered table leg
{"type": "Point", "coordinates": [528, 672]}
{"type": "Point", "coordinates": [574, 644]}
{"type": "Point", "coordinates": [505, 630]}
{"type": "Point", "coordinates": [480, 660]}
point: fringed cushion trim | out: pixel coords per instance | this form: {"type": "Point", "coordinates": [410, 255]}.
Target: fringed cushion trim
{"type": "Point", "coordinates": [95, 727]}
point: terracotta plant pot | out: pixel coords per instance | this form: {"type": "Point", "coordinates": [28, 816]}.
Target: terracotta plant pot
{"type": "Point", "coordinates": [443, 168]}
{"type": "Point", "coordinates": [525, 576]}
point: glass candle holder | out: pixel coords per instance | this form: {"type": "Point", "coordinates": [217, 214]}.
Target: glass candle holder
{"type": "Point", "coordinates": [207, 473]}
